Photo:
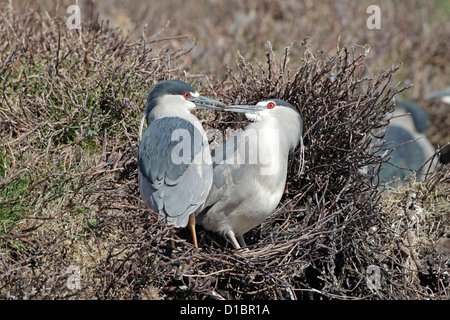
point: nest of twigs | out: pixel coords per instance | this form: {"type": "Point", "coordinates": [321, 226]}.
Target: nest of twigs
{"type": "Point", "coordinates": [313, 243]}
{"type": "Point", "coordinates": [84, 232]}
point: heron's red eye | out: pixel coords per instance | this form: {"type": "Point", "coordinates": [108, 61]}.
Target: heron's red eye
{"type": "Point", "coordinates": [186, 95]}
{"type": "Point", "coordinates": [271, 105]}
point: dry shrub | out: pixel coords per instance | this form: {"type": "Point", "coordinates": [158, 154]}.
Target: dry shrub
{"type": "Point", "coordinates": [415, 216]}
{"type": "Point", "coordinates": [312, 244]}
{"type": "Point", "coordinates": [71, 105]}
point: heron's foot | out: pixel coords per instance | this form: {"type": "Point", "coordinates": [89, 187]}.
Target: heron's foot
{"type": "Point", "coordinates": [233, 239]}
{"type": "Point", "coordinates": [192, 227]}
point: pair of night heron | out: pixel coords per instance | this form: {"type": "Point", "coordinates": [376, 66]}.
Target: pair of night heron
{"type": "Point", "coordinates": [231, 190]}
{"type": "Point", "coordinates": [240, 183]}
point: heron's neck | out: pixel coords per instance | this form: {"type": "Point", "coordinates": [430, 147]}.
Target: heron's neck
{"type": "Point", "coordinates": [169, 111]}
{"type": "Point", "coordinates": [284, 135]}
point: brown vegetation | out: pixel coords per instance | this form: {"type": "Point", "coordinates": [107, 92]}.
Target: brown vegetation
{"type": "Point", "coordinates": [72, 221]}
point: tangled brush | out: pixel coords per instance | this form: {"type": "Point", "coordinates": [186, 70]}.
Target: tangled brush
{"type": "Point", "coordinates": [76, 227]}
{"type": "Point", "coordinates": [316, 235]}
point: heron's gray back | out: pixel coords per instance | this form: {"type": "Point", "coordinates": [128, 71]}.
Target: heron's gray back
{"type": "Point", "coordinates": [419, 116]}
{"type": "Point", "coordinates": [174, 180]}
{"type": "Point", "coordinates": [240, 188]}
{"type": "Point", "coordinates": [409, 155]}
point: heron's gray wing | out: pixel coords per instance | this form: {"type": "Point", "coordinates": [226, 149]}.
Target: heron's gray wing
{"type": "Point", "coordinates": [174, 178]}
{"type": "Point", "coordinates": [226, 170]}
{"type": "Point", "coordinates": [438, 94]}
{"type": "Point", "coordinates": [408, 155]}
{"type": "Point", "coordinates": [226, 151]}
{"type": "Point", "coordinates": [419, 115]}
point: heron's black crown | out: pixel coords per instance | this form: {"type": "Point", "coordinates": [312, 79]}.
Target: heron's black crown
{"type": "Point", "coordinates": [174, 87]}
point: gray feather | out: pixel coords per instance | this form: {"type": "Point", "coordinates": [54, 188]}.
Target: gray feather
{"type": "Point", "coordinates": [173, 189]}
{"type": "Point", "coordinates": [419, 116]}
{"type": "Point", "coordinates": [408, 155]}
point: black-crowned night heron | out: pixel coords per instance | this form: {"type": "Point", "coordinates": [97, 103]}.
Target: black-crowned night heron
{"type": "Point", "coordinates": [406, 132]}
{"type": "Point", "coordinates": [443, 94]}
{"type": "Point", "coordinates": [250, 169]}
{"type": "Point", "coordinates": [175, 168]}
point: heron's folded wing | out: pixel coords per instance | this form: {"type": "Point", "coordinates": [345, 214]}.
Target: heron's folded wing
{"type": "Point", "coordinates": [419, 115]}
{"type": "Point", "coordinates": [175, 179]}
{"type": "Point", "coordinates": [407, 154]}
{"type": "Point", "coordinates": [226, 169]}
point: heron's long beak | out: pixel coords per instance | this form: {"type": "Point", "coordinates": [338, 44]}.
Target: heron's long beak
{"type": "Point", "coordinates": [207, 103]}
{"type": "Point", "coordinates": [244, 108]}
